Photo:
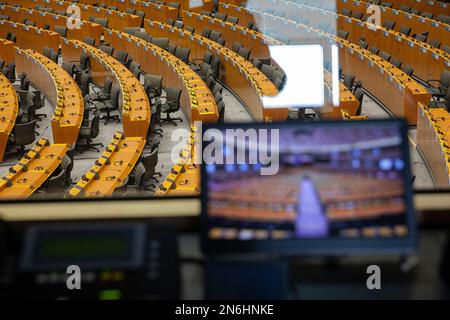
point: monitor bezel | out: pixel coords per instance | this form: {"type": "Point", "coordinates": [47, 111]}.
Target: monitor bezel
{"type": "Point", "coordinates": [299, 247]}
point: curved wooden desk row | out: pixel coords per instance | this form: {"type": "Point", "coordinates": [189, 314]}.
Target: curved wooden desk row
{"type": "Point", "coordinates": [135, 104]}
{"type": "Point", "coordinates": [427, 61]}
{"type": "Point", "coordinates": [86, 29]}
{"type": "Point", "coordinates": [247, 81]}
{"type": "Point", "coordinates": [30, 37]}
{"type": "Point", "coordinates": [7, 50]}
{"type": "Point", "coordinates": [151, 10]}
{"type": "Point", "coordinates": [392, 87]}
{"type": "Point", "coordinates": [197, 101]}
{"type": "Point", "coordinates": [24, 178]}
{"type": "Point", "coordinates": [433, 140]}
{"type": "Point", "coordinates": [231, 33]}
{"type": "Point", "coordinates": [418, 24]}
{"type": "Point", "coordinates": [111, 169]}
{"type": "Point", "coordinates": [184, 178]}
{"type": "Point", "coordinates": [116, 20]}
{"type": "Point", "coordinates": [9, 106]}
{"type": "Point", "coordinates": [234, 9]}
{"type": "Point", "coordinates": [61, 91]}
{"type": "Point", "coordinates": [432, 6]}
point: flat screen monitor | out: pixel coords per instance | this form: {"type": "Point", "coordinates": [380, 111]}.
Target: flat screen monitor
{"type": "Point", "coordinates": [307, 188]}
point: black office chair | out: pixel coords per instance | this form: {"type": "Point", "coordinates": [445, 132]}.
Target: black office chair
{"type": "Point", "coordinates": [89, 133]}
{"type": "Point", "coordinates": [172, 104]}
{"type": "Point", "coordinates": [404, 7]}
{"type": "Point", "coordinates": [85, 80]}
{"type": "Point", "coordinates": [104, 93]}
{"type": "Point", "coordinates": [111, 105]}
{"type": "Point", "coordinates": [141, 179]}
{"type": "Point", "coordinates": [122, 57]}
{"type": "Point", "coordinates": [131, 30]}
{"type": "Point", "coordinates": [442, 104]}
{"type": "Point", "coordinates": [220, 16]}
{"type": "Point", "coordinates": [221, 110]}
{"type": "Point", "coordinates": [349, 80]}
{"type": "Point", "coordinates": [190, 29]}
{"type": "Point", "coordinates": [70, 68]}
{"type": "Point", "coordinates": [150, 161]}
{"type": "Point", "coordinates": [427, 15]}
{"type": "Point", "coordinates": [407, 69]}
{"type": "Point", "coordinates": [206, 32]}
{"type": "Point", "coordinates": [441, 89]}
{"type": "Point", "coordinates": [106, 49]}
{"type": "Point", "coordinates": [444, 19]}
{"type": "Point", "coordinates": [23, 134]}
{"type": "Point", "coordinates": [163, 43]}
{"type": "Point", "coordinates": [268, 70]}
{"type": "Point", "coordinates": [346, 12]}
{"type": "Point", "coordinates": [232, 19]}
{"type": "Point", "coordinates": [153, 86]}
{"type": "Point", "coordinates": [395, 62]}
{"type": "Point", "coordinates": [62, 30]}
{"type": "Point", "coordinates": [56, 184]}
{"type": "Point", "coordinates": [244, 53]}
{"type": "Point", "coordinates": [384, 55]}
{"type": "Point", "coordinates": [359, 95]}
{"type": "Point", "coordinates": [405, 30]}
{"type": "Point", "coordinates": [143, 35]}
{"type": "Point", "coordinates": [183, 54]}
{"type": "Point", "coordinates": [357, 15]}
{"type": "Point", "coordinates": [90, 41]}
{"type": "Point", "coordinates": [434, 43]}
{"type": "Point", "coordinates": [388, 24]}
{"type": "Point", "coordinates": [215, 66]}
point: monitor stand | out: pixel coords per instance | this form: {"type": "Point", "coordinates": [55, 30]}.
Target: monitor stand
{"type": "Point", "coordinates": [245, 278]}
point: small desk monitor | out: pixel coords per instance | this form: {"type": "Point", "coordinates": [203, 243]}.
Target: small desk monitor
{"type": "Point", "coordinates": [307, 188]}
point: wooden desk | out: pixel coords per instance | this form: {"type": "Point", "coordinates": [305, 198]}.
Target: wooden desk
{"type": "Point", "coordinates": [418, 24]}
{"type": "Point", "coordinates": [433, 138]}
{"type": "Point", "coordinates": [231, 33]}
{"type": "Point", "coordinates": [184, 178]}
{"type": "Point", "coordinates": [135, 104]}
{"type": "Point", "coordinates": [197, 101]}
{"type": "Point", "coordinates": [30, 37]}
{"type": "Point", "coordinates": [24, 178]}
{"type": "Point", "coordinates": [61, 91]}
{"type": "Point", "coordinates": [9, 105]}
{"type": "Point", "coordinates": [392, 87]}
{"type": "Point", "coordinates": [152, 11]}
{"type": "Point", "coordinates": [111, 169]}
{"type": "Point", "coordinates": [247, 81]}
{"type": "Point", "coordinates": [7, 51]}
{"type": "Point", "coordinates": [116, 20]}
{"type": "Point", "coordinates": [87, 28]}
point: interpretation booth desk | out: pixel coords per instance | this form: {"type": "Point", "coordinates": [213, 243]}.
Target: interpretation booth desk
{"type": "Point", "coordinates": [197, 101]}
{"type": "Point", "coordinates": [61, 91]}
{"type": "Point", "coordinates": [7, 50]}
{"type": "Point", "coordinates": [433, 140]}
{"type": "Point", "coordinates": [239, 74]}
{"type": "Point", "coordinates": [436, 30]}
{"type": "Point", "coordinates": [9, 106]}
{"type": "Point", "coordinates": [231, 33]}
{"type": "Point", "coordinates": [24, 178]}
{"type": "Point", "coordinates": [116, 20]}
{"type": "Point", "coordinates": [398, 92]}
{"type": "Point", "coordinates": [135, 104]}
{"type": "Point", "coordinates": [30, 37]}
{"type": "Point", "coordinates": [184, 178]}
{"type": "Point", "coordinates": [111, 169]}
{"type": "Point", "coordinates": [152, 11]}
{"type": "Point", "coordinates": [86, 29]}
